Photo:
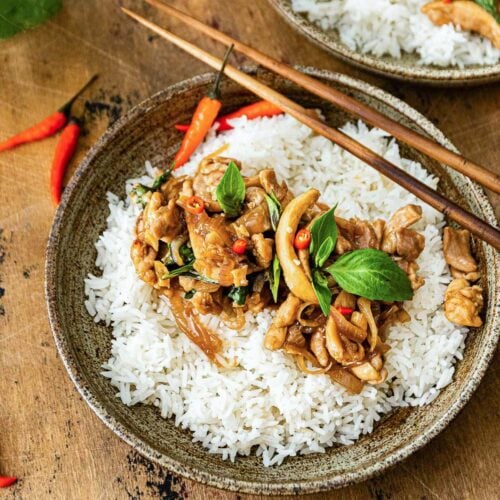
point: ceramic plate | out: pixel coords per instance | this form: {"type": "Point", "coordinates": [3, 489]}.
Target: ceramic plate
{"type": "Point", "coordinates": [147, 133]}
{"type": "Point", "coordinates": [406, 68]}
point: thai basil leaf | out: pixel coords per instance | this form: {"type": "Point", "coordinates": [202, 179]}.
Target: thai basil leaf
{"type": "Point", "coordinates": [190, 294]}
{"type": "Point", "coordinates": [160, 180]}
{"type": "Point", "coordinates": [179, 271]}
{"type": "Point", "coordinates": [490, 7]}
{"type": "Point", "coordinates": [320, 286]}
{"type": "Point", "coordinates": [239, 294]}
{"type": "Point", "coordinates": [324, 252]}
{"type": "Point", "coordinates": [324, 227]}
{"type": "Point", "coordinates": [186, 252]}
{"type": "Point", "coordinates": [18, 15]}
{"type": "Point", "coordinates": [372, 274]}
{"type": "Point", "coordinates": [139, 190]}
{"type": "Point", "coordinates": [274, 278]}
{"type": "Point", "coordinates": [274, 209]}
{"type": "Point", "coordinates": [231, 190]}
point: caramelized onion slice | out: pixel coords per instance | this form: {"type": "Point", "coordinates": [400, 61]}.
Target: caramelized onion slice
{"type": "Point", "coordinates": [346, 379]}
{"type": "Point", "coordinates": [364, 306]}
{"type": "Point", "coordinates": [294, 275]}
{"type": "Point", "coordinates": [208, 341]}
{"type": "Point", "coordinates": [305, 312]}
{"type": "Point", "coordinates": [301, 363]}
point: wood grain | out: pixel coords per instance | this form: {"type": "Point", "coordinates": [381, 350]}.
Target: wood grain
{"type": "Point", "coordinates": [49, 438]}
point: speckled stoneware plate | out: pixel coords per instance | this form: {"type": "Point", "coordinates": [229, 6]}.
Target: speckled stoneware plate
{"type": "Point", "coordinates": [406, 68]}
{"type": "Point", "coordinates": [146, 133]}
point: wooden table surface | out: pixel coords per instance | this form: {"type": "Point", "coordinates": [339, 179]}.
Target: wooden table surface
{"type": "Point", "coordinates": [49, 437]}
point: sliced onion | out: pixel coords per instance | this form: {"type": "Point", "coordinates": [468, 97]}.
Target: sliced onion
{"type": "Point", "coordinates": [301, 363]}
{"type": "Point", "coordinates": [309, 322]}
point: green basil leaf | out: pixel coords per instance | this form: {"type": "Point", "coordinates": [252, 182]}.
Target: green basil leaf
{"type": "Point", "coordinates": [324, 252]}
{"type": "Point", "coordinates": [320, 286]}
{"type": "Point", "coordinates": [139, 190]}
{"type": "Point", "coordinates": [274, 278]}
{"type": "Point", "coordinates": [324, 227]}
{"type": "Point", "coordinates": [490, 7]}
{"type": "Point", "coordinates": [190, 294]}
{"type": "Point", "coordinates": [274, 209]}
{"type": "Point", "coordinates": [186, 252]}
{"type": "Point", "coordinates": [239, 294]}
{"type": "Point", "coordinates": [18, 15]}
{"type": "Point", "coordinates": [231, 190]}
{"type": "Point", "coordinates": [160, 180]}
{"type": "Point", "coordinates": [372, 274]}
{"type": "Point", "coordinates": [178, 271]}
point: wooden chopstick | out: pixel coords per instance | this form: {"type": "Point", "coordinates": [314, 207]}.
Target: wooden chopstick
{"type": "Point", "coordinates": [474, 224]}
{"type": "Point", "coordinates": [414, 139]}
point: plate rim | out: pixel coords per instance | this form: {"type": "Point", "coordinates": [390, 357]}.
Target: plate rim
{"type": "Point", "coordinates": [185, 470]}
{"type": "Point", "coordinates": [425, 74]}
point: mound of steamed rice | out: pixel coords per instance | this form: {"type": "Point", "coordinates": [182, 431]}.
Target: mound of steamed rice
{"type": "Point", "coordinates": [267, 405]}
{"type": "Point", "coordinates": [391, 27]}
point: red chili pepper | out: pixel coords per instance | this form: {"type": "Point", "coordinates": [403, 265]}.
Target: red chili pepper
{"type": "Point", "coordinates": [204, 116]}
{"type": "Point", "coordinates": [302, 239]}
{"type": "Point", "coordinates": [345, 310]}
{"type": "Point", "coordinates": [5, 481]}
{"type": "Point", "coordinates": [47, 127]}
{"type": "Point", "coordinates": [256, 110]}
{"type": "Point", "coordinates": [239, 246]}
{"type": "Point", "coordinates": [65, 149]}
{"type": "Point", "coordinates": [195, 205]}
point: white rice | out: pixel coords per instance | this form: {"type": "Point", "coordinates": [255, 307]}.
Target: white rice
{"type": "Point", "coordinates": [267, 405]}
{"type": "Point", "coordinates": [392, 27]}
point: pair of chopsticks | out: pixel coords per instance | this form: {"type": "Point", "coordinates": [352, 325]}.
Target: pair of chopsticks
{"type": "Point", "coordinates": [474, 224]}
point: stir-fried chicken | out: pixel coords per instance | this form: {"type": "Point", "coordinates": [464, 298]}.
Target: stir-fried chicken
{"type": "Point", "coordinates": [456, 249]}
{"type": "Point", "coordinates": [357, 233]}
{"type": "Point", "coordinates": [463, 303]}
{"type": "Point", "coordinates": [223, 256]}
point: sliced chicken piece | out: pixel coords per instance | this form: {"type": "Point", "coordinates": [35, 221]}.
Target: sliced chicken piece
{"type": "Point", "coordinates": [409, 244]}
{"type": "Point", "coordinates": [360, 233]}
{"type": "Point", "coordinates": [262, 250]}
{"type": "Point", "coordinates": [207, 178]}
{"type": "Point", "coordinates": [411, 268]}
{"type": "Point", "coordinates": [466, 14]}
{"type": "Point", "coordinates": [143, 257]}
{"type": "Point", "coordinates": [285, 316]}
{"type": "Point", "coordinates": [463, 303]}
{"type": "Point", "coordinates": [318, 346]}
{"type": "Point", "coordinates": [472, 276]}
{"type": "Point", "coordinates": [456, 249]}
{"type": "Point", "coordinates": [270, 184]}
{"type": "Point", "coordinates": [162, 220]}
{"type": "Point", "coordinates": [211, 239]}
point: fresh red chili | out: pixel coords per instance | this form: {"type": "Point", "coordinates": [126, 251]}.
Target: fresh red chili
{"type": "Point", "coordinates": [239, 246]}
{"type": "Point", "coordinates": [65, 149]}
{"type": "Point", "coordinates": [47, 127]}
{"type": "Point", "coordinates": [345, 310]}
{"type": "Point", "coordinates": [5, 481]}
{"type": "Point", "coordinates": [302, 239]}
{"type": "Point", "coordinates": [204, 116]}
{"type": "Point", "coordinates": [195, 205]}
{"type": "Point", "coordinates": [256, 110]}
